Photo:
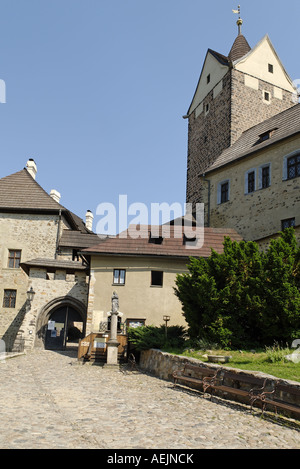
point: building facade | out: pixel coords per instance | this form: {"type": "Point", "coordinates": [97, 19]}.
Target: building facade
{"type": "Point", "coordinates": [40, 240]}
{"type": "Point", "coordinates": [142, 271]}
{"type": "Point", "coordinates": [254, 187]}
{"type": "Point", "coordinates": [244, 142]}
{"type": "Point", "coordinates": [234, 93]}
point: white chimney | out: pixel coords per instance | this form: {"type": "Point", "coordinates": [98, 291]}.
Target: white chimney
{"type": "Point", "coordinates": [55, 195]}
{"type": "Point", "coordinates": [89, 220]}
{"type": "Point", "coordinates": [31, 167]}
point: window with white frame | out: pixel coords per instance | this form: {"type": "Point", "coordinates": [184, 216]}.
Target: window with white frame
{"type": "Point", "coordinates": [250, 181]}
{"type": "Point", "coordinates": [119, 276]}
{"type": "Point", "coordinates": [291, 166]}
{"type": "Point", "coordinates": [264, 176]}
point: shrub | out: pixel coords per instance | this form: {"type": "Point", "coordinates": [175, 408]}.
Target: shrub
{"type": "Point", "coordinates": [147, 337]}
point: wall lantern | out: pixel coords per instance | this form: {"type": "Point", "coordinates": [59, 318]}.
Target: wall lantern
{"type": "Point", "coordinates": [30, 295]}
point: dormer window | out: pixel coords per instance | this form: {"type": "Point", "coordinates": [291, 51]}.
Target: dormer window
{"type": "Point", "coordinates": [266, 136]}
{"type": "Point", "coordinates": [155, 239]}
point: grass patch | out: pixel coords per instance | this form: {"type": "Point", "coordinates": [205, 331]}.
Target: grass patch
{"type": "Point", "coordinates": [270, 361]}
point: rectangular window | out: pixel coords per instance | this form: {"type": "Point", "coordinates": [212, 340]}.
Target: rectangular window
{"type": "Point", "coordinates": [271, 68]}
{"type": "Point", "coordinates": [266, 96]}
{"type": "Point", "coordinates": [251, 181]}
{"type": "Point", "coordinates": [119, 276]}
{"type": "Point", "coordinates": [208, 79]}
{"type": "Point", "coordinates": [224, 192]}
{"type": "Point", "coordinates": [293, 167]}
{"type": "Point", "coordinates": [288, 223]}
{"type": "Point", "coordinates": [156, 278]}
{"type": "Point", "coordinates": [14, 259]}
{"type": "Point", "coordinates": [9, 299]}
{"type": "Point", "coordinates": [265, 177]}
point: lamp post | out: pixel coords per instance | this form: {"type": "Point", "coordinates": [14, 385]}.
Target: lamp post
{"type": "Point", "coordinates": [30, 296]}
{"type": "Point", "coordinates": [166, 319]}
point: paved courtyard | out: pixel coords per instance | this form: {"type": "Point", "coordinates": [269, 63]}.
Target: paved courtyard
{"type": "Point", "coordinates": [49, 401]}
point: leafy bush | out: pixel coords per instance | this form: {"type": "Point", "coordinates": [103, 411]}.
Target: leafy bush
{"type": "Point", "coordinates": [147, 337]}
{"type": "Point", "coordinates": [244, 297]}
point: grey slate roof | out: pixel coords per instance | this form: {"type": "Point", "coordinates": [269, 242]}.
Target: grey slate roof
{"type": "Point", "coordinates": [284, 124]}
{"type": "Point", "coordinates": [53, 264]}
{"type": "Point", "coordinates": [77, 239]}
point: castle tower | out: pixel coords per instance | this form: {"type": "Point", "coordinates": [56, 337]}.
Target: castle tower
{"type": "Point", "coordinates": [234, 93]}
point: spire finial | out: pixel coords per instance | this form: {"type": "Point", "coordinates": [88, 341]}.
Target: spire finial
{"type": "Point", "coordinates": [239, 21]}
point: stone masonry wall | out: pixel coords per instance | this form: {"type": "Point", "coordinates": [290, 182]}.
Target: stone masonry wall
{"type": "Point", "coordinates": [47, 290]}
{"type": "Point", "coordinates": [235, 109]}
{"type": "Point", "coordinates": [248, 108]}
{"type": "Point", "coordinates": [208, 136]}
{"type": "Point", "coordinates": [259, 214]}
{"type": "Point", "coordinates": [162, 365]}
{"type": "Point", "coordinates": [35, 235]}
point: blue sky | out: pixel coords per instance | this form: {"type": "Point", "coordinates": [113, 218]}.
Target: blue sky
{"type": "Point", "coordinates": [96, 90]}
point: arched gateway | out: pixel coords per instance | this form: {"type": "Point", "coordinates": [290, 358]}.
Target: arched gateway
{"type": "Point", "coordinates": [61, 321]}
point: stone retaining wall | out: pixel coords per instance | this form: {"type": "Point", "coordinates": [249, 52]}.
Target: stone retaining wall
{"type": "Point", "coordinates": [162, 365]}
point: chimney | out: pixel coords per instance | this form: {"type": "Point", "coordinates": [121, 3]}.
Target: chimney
{"type": "Point", "coordinates": [55, 195]}
{"type": "Point", "coordinates": [31, 167]}
{"type": "Point", "coordinates": [89, 220]}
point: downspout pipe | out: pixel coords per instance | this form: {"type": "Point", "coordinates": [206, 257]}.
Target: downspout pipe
{"type": "Point", "coordinates": [208, 202]}
{"type": "Point", "coordinates": [58, 233]}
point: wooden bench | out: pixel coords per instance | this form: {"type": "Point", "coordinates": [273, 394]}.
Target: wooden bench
{"type": "Point", "coordinates": [275, 398]}
{"type": "Point", "coordinates": [245, 386]}
{"type": "Point", "coordinates": [194, 374]}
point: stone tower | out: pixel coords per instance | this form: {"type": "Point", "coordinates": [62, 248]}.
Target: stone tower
{"type": "Point", "coordinates": [234, 93]}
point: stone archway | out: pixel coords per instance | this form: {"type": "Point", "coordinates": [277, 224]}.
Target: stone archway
{"type": "Point", "coordinates": [58, 309]}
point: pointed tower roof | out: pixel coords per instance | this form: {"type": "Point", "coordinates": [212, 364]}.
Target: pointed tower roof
{"type": "Point", "coordinates": [239, 48]}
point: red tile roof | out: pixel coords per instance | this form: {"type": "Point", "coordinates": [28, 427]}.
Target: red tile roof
{"type": "Point", "coordinates": [172, 246]}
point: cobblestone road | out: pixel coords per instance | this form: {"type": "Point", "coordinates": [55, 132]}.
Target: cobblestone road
{"type": "Point", "coordinates": [49, 401]}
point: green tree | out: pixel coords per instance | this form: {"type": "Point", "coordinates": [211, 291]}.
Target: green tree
{"type": "Point", "coordinates": [243, 296]}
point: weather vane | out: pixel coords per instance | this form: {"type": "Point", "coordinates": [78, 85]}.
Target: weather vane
{"type": "Point", "coordinates": [239, 21]}
{"type": "Point", "coordinates": [238, 12]}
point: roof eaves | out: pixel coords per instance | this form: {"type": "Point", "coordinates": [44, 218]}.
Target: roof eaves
{"type": "Point", "coordinates": [253, 151]}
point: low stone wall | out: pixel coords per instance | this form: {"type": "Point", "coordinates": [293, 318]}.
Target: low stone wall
{"type": "Point", "coordinates": [162, 365]}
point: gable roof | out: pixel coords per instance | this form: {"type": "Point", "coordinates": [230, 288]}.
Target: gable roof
{"type": "Point", "coordinates": [20, 192]}
{"type": "Point", "coordinates": [283, 125]}
{"type": "Point", "coordinates": [239, 48]}
{"type": "Point", "coordinates": [265, 40]}
{"type": "Point", "coordinates": [172, 246]}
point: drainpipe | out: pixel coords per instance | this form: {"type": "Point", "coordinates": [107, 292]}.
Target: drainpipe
{"type": "Point", "coordinates": [208, 202]}
{"type": "Point", "coordinates": [58, 233]}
